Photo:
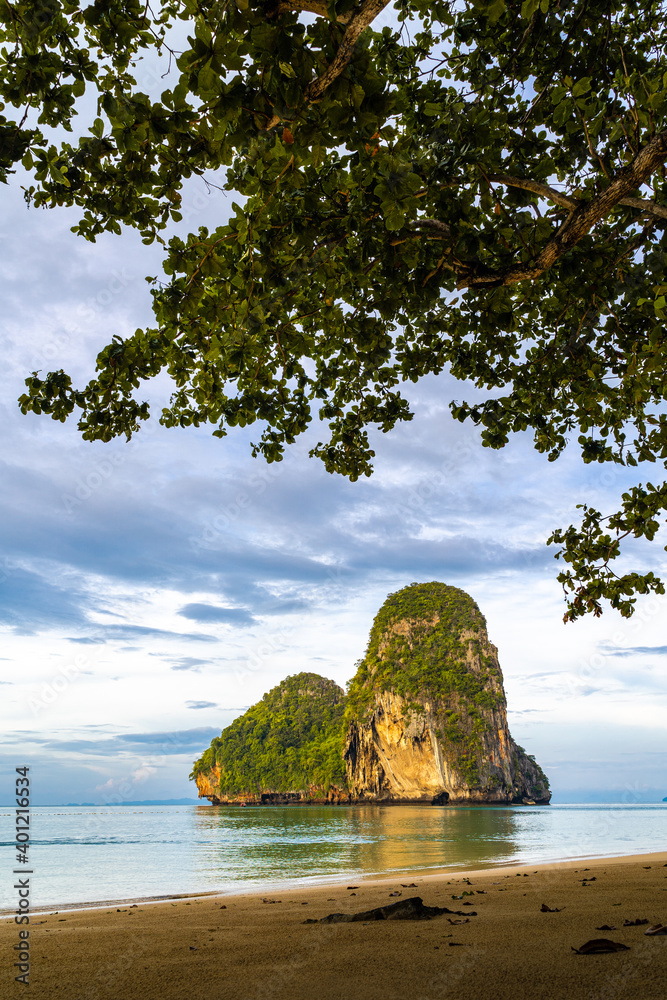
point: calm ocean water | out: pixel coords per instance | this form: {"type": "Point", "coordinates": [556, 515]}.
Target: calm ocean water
{"type": "Point", "coordinates": [108, 853]}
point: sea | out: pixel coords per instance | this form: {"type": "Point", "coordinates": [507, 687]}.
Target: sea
{"type": "Point", "coordinates": [97, 854]}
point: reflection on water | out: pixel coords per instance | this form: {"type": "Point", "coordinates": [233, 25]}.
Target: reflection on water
{"type": "Point", "coordinates": [101, 853]}
{"type": "Point", "coordinates": [269, 845]}
{"type": "Point", "coordinates": [309, 844]}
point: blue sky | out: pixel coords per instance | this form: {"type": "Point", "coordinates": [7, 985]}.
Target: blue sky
{"type": "Point", "coordinates": [151, 591]}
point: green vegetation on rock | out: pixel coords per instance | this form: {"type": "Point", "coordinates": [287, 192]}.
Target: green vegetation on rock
{"type": "Point", "coordinates": [289, 740]}
{"type": "Point", "coordinates": [416, 649]}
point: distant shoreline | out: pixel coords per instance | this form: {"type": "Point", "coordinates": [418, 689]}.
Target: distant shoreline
{"type": "Point", "coordinates": [400, 802]}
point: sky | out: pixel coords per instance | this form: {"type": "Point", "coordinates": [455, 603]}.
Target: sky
{"type": "Point", "coordinates": [150, 592]}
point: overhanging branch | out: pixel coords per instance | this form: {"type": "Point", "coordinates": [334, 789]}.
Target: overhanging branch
{"type": "Point", "coordinates": [565, 201]}
{"type": "Point", "coordinates": [361, 20]}
{"type": "Point", "coordinates": [435, 229]}
{"type": "Point", "coordinates": [542, 189]}
{"type": "Point", "coordinates": [582, 218]}
{"type": "Point", "coordinates": [645, 206]}
{"type": "Point", "coordinates": [356, 23]}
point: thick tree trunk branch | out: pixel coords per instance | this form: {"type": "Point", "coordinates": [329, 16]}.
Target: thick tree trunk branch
{"type": "Point", "coordinates": [580, 221]}
{"type": "Point", "coordinates": [368, 12]}
{"type": "Point", "coordinates": [571, 203]}
{"type": "Point", "coordinates": [435, 229]}
{"type": "Point", "coordinates": [356, 23]}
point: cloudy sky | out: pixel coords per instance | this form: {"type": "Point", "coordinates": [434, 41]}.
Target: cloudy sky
{"type": "Point", "coordinates": [151, 591]}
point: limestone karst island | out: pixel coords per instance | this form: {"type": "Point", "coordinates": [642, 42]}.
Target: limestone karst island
{"type": "Point", "coordinates": [424, 720]}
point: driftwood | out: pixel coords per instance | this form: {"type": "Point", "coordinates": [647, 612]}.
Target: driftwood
{"type": "Point", "coordinates": [600, 946]}
{"type": "Point", "coordinates": [406, 909]}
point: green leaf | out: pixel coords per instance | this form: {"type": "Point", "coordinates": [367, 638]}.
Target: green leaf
{"type": "Point", "coordinates": [208, 80]}
{"type": "Point", "coordinates": [581, 86]}
{"type": "Point", "coordinates": [394, 219]}
{"type": "Point", "coordinates": [58, 176]}
{"type": "Point", "coordinates": [495, 10]}
{"type": "Point", "coordinates": [562, 113]}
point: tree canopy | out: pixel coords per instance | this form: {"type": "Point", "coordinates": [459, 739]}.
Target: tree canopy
{"type": "Point", "coordinates": [478, 188]}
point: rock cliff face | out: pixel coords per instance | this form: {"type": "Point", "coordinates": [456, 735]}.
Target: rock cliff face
{"type": "Point", "coordinates": [425, 720]}
{"type": "Point", "coordinates": [427, 711]}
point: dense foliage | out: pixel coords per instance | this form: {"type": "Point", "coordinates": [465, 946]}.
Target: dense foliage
{"type": "Point", "coordinates": [291, 739]}
{"type": "Point", "coordinates": [480, 190]}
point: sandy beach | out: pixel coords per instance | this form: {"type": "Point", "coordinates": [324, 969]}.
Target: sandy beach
{"type": "Point", "coordinates": [257, 946]}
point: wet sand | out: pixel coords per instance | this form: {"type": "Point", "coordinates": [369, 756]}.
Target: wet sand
{"type": "Point", "coordinates": [256, 946]}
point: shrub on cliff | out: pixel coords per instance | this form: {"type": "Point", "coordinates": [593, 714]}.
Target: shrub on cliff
{"type": "Point", "coordinates": [289, 740]}
{"type": "Point", "coordinates": [416, 648]}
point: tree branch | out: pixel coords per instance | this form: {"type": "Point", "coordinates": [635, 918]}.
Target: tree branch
{"type": "Point", "coordinates": [580, 221]}
{"type": "Point", "coordinates": [435, 229]}
{"type": "Point", "coordinates": [368, 12]}
{"type": "Point", "coordinates": [542, 189]}
{"type": "Point", "coordinates": [645, 206]}
{"type": "Point", "coordinates": [571, 203]}
{"type": "Point", "coordinates": [356, 23]}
